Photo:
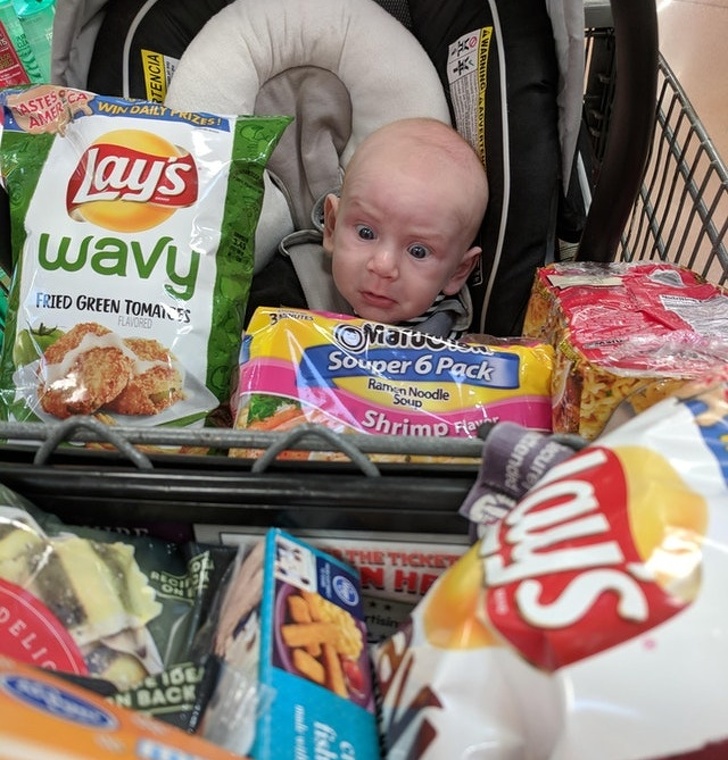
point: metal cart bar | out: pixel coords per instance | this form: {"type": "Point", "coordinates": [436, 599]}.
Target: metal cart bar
{"type": "Point", "coordinates": [681, 211]}
{"type": "Point", "coordinates": [631, 126]}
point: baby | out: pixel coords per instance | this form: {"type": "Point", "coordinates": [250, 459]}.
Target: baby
{"type": "Point", "coordinates": [397, 242]}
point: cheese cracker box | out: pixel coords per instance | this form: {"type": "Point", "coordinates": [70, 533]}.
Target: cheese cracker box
{"type": "Point", "coordinates": [293, 616]}
{"type": "Point", "coordinates": [623, 332]}
{"type": "Point", "coordinates": [44, 717]}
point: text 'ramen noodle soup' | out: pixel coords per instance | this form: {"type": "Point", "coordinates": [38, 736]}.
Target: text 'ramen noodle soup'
{"type": "Point", "coordinates": [133, 229]}
{"type": "Point", "coordinates": [355, 376]}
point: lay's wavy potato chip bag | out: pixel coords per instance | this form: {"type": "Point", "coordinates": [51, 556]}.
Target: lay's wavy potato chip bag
{"type": "Point", "coordinates": [133, 231]}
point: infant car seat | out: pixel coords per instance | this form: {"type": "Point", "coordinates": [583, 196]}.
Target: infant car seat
{"type": "Point", "coordinates": [515, 93]}
{"type": "Point", "coordinates": [510, 75]}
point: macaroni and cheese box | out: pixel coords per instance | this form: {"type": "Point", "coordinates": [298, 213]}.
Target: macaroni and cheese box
{"type": "Point", "coordinates": [43, 716]}
{"type": "Point", "coordinates": [293, 616]}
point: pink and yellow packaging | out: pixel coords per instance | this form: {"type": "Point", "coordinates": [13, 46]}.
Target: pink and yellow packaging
{"type": "Point", "coordinates": [356, 376]}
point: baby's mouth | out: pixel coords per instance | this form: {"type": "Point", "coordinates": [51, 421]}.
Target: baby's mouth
{"type": "Point", "coordinates": [375, 299]}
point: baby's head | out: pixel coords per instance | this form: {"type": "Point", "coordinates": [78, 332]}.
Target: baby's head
{"type": "Point", "coordinates": [412, 201]}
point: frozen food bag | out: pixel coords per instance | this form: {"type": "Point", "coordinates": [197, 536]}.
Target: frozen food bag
{"type": "Point", "coordinates": [133, 228]}
{"type": "Point", "coordinates": [589, 621]}
{"type": "Point", "coordinates": [119, 613]}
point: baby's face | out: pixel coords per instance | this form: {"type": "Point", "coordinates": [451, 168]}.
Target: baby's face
{"type": "Point", "coordinates": [396, 243]}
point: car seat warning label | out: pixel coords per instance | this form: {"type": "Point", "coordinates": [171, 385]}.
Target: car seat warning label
{"type": "Point", "coordinates": [467, 69]}
{"type": "Point", "coordinates": [158, 70]}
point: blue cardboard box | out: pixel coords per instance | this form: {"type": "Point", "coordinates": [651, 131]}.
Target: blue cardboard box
{"type": "Point", "coordinates": [313, 658]}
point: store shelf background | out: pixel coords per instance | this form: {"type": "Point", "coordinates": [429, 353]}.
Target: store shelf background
{"type": "Point", "coordinates": [681, 210]}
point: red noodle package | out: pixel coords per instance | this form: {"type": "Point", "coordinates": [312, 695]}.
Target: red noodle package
{"type": "Point", "coordinates": [589, 622]}
{"type": "Point", "coordinates": [632, 332]}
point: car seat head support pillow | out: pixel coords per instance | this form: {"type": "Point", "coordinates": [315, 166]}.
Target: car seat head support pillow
{"type": "Point", "coordinates": [343, 68]}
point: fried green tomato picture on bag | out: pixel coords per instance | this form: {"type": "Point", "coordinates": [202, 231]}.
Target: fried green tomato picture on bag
{"type": "Point", "coordinates": [90, 369]}
{"type": "Point", "coordinates": [31, 343]}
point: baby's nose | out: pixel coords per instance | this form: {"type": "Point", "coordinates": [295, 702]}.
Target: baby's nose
{"type": "Point", "coordinates": [384, 262]}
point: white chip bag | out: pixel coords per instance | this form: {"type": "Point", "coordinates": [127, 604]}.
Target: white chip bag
{"type": "Point", "coordinates": [590, 622]}
{"type": "Point", "coordinates": [133, 230]}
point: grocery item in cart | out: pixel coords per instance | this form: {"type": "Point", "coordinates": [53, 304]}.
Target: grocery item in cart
{"type": "Point", "coordinates": [292, 621]}
{"type": "Point", "coordinates": [118, 612]}
{"type": "Point", "coordinates": [514, 459]}
{"type": "Point", "coordinates": [132, 232]}
{"type": "Point", "coordinates": [43, 716]}
{"type": "Point", "coordinates": [624, 332]}
{"type": "Point", "coordinates": [353, 375]}
{"type": "Point", "coordinates": [588, 621]}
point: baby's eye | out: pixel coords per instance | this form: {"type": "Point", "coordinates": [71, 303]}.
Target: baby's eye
{"type": "Point", "coordinates": [418, 251]}
{"type": "Point", "coordinates": [365, 232]}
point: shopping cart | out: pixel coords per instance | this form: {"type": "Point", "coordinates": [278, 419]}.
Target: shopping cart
{"type": "Point", "coordinates": [679, 214]}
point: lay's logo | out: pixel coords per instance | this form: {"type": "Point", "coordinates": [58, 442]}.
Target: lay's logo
{"type": "Point", "coordinates": [607, 546]}
{"type": "Point", "coordinates": [130, 180]}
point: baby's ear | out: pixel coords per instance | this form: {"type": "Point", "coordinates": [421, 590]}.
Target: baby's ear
{"type": "Point", "coordinates": [331, 207]}
{"type": "Point", "coordinates": [460, 275]}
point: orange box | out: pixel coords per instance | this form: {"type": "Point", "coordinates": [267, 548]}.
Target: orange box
{"type": "Point", "coordinates": [44, 717]}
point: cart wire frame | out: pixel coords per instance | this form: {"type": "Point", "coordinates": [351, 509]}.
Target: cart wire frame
{"type": "Point", "coordinates": [680, 213]}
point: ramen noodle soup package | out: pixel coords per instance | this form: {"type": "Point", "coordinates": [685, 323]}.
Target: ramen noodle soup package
{"type": "Point", "coordinates": [355, 376]}
{"type": "Point", "coordinates": [589, 621]}
{"type": "Point", "coordinates": [119, 613]}
{"type": "Point", "coordinates": [631, 333]}
{"type": "Point", "coordinates": [133, 231]}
